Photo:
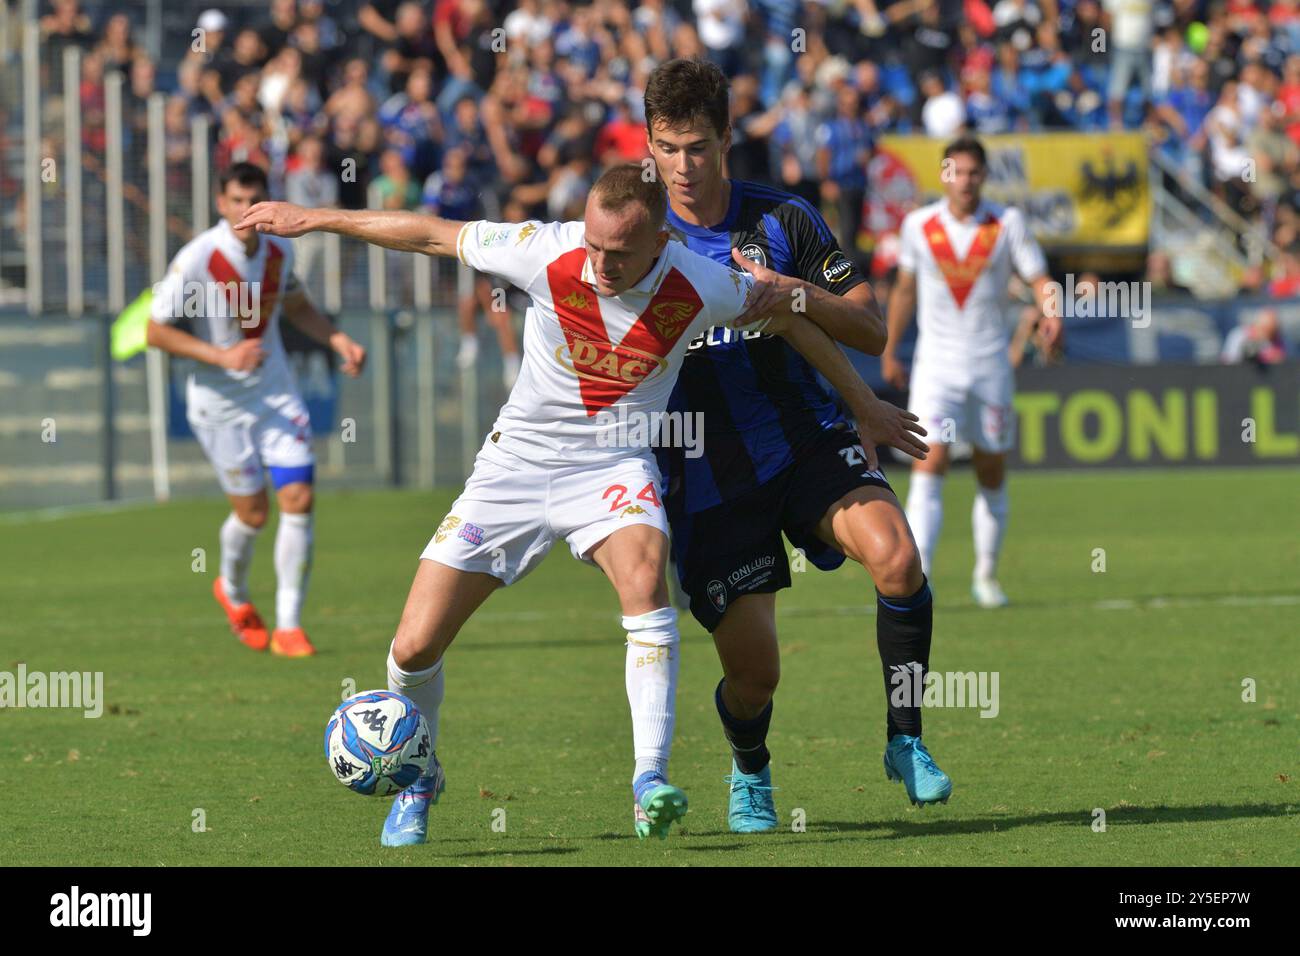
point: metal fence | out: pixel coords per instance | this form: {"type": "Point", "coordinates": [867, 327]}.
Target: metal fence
{"type": "Point", "coordinates": [75, 426]}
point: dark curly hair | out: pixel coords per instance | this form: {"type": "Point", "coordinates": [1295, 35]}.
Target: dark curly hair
{"type": "Point", "coordinates": [680, 91]}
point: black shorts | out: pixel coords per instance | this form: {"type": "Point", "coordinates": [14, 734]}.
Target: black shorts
{"type": "Point", "coordinates": [735, 548]}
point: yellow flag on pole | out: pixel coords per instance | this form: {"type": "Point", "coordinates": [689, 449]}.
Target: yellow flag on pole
{"type": "Point", "coordinates": [131, 327]}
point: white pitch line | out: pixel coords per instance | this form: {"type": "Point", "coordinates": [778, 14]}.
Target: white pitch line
{"type": "Point", "coordinates": [387, 619]}
{"type": "Point", "coordinates": [1157, 603]}
{"type": "Point", "coordinates": [58, 512]}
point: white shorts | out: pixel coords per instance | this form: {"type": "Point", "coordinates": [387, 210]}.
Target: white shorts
{"type": "Point", "coordinates": [512, 511]}
{"type": "Point", "coordinates": [979, 412]}
{"type": "Point", "coordinates": [275, 437]}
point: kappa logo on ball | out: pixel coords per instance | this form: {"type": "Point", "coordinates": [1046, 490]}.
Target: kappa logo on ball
{"type": "Point", "coordinates": [449, 524]}
{"type": "Point", "coordinates": [717, 592]}
{"type": "Point", "coordinates": [471, 533]}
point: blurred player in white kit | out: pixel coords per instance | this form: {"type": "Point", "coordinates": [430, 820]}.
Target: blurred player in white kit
{"type": "Point", "coordinates": [242, 402]}
{"type": "Point", "coordinates": [955, 259]}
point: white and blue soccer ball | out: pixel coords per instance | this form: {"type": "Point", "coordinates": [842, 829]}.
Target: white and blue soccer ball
{"type": "Point", "coordinates": [377, 743]}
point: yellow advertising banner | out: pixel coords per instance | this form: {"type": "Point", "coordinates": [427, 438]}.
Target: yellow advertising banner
{"type": "Point", "coordinates": [1079, 190]}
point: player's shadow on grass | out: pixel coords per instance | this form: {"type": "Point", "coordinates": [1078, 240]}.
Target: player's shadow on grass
{"type": "Point", "coordinates": [1117, 816]}
{"type": "Point", "coordinates": [543, 851]}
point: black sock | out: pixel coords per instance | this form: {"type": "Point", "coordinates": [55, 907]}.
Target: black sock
{"type": "Point", "coordinates": [748, 738]}
{"type": "Point", "coordinates": [903, 630]}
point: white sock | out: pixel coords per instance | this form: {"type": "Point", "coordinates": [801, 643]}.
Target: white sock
{"type": "Point", "coordinates": [237, 541]}
{"type": "Point", "coordinates": [424, 687]}
{"type": "Point", "coordinates": [292, 567]}
{"type": "Point", "coordinates": [988, 521]}
{"type": "Point", "coordinates": [651, 677]}
{"type": "Point", "coordinates": [925, 513]}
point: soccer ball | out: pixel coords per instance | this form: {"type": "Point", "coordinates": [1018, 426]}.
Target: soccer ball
{"type": "Point", "coordinates": [377, 743]}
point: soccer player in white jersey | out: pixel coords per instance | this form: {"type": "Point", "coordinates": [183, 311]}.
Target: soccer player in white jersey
{"type": "Point", "coordinates": [232, 286]}
{"type": "Point", "coordinates": [954, 263]}
{"type": "Point", "coordinates": [614, 305]}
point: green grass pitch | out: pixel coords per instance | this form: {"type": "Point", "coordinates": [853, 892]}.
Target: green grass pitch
{"type": "Point", "coordinates": [1119, 690]}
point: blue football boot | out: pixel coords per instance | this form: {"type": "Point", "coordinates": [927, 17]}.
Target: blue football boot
{"type": "Point", "coordinates": [752, 809]}
{"type": "Point", "coordinates": [408, 820]}
{"type": "Point", "coordinates": [906, 759]}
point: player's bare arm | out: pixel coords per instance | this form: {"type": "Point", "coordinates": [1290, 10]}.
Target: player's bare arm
{"type": "Point", "coordinates": [403, 231]}
{"type": "Point", "coordinates": [244, 356]}
{"type": "Point", "coordinates": [302, 312]}
{"type": "Point", "coordinates": [1029, 319]}
{"type": "Point", "coordinates": [902, 305]}
{"type": "Point", "coordinates": [882, 423]}
{"type": "Point", "coordinates": [1050, 329]}
{"type": "Point", "coordinates": [853, 319]}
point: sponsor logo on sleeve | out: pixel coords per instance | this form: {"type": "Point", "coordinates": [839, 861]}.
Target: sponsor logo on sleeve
{"type": "Point", "coordinates": [836, 267]}
{"type": "Point", "coordinates": [494, 237]}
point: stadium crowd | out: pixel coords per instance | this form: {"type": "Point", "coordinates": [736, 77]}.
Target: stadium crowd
{"type": "Point", "coordinates": [510, 109]}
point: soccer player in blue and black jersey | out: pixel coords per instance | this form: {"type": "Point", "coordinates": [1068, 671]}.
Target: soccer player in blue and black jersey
{"type": "Point", "coordinates": [778, 454]}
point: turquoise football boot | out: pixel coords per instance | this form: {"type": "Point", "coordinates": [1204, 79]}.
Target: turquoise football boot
{"type": "Point", "coordinates": [408, 820]}
{"type": "Point", "coordinates": [906, 759]}
{"type": "Point", "coordinates": [658, 804]}
{"type": "Point", "coordinates": [752, 809]}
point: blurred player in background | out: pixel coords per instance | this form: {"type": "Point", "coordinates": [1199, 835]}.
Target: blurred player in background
{"type": "Point", "coordinates": [232, 286]}
{"type": "Point", "coordinates": [955, 259]}
{"type": "Point", "coordinates": [554, 466]}
{"type": "Point", "coordinates": [779, 455]}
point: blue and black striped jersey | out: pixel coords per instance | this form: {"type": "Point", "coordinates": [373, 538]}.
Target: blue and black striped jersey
{"type": "Point", "coordinates": [761, 402]}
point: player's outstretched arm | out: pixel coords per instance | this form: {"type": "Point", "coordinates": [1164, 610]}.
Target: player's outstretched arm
{"type": "Point", "coordinates": [784, 312]}
{"type": "Point", "coordinates": [881, 423]}
{"type": "Point", "coordinates": [403, 231]}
